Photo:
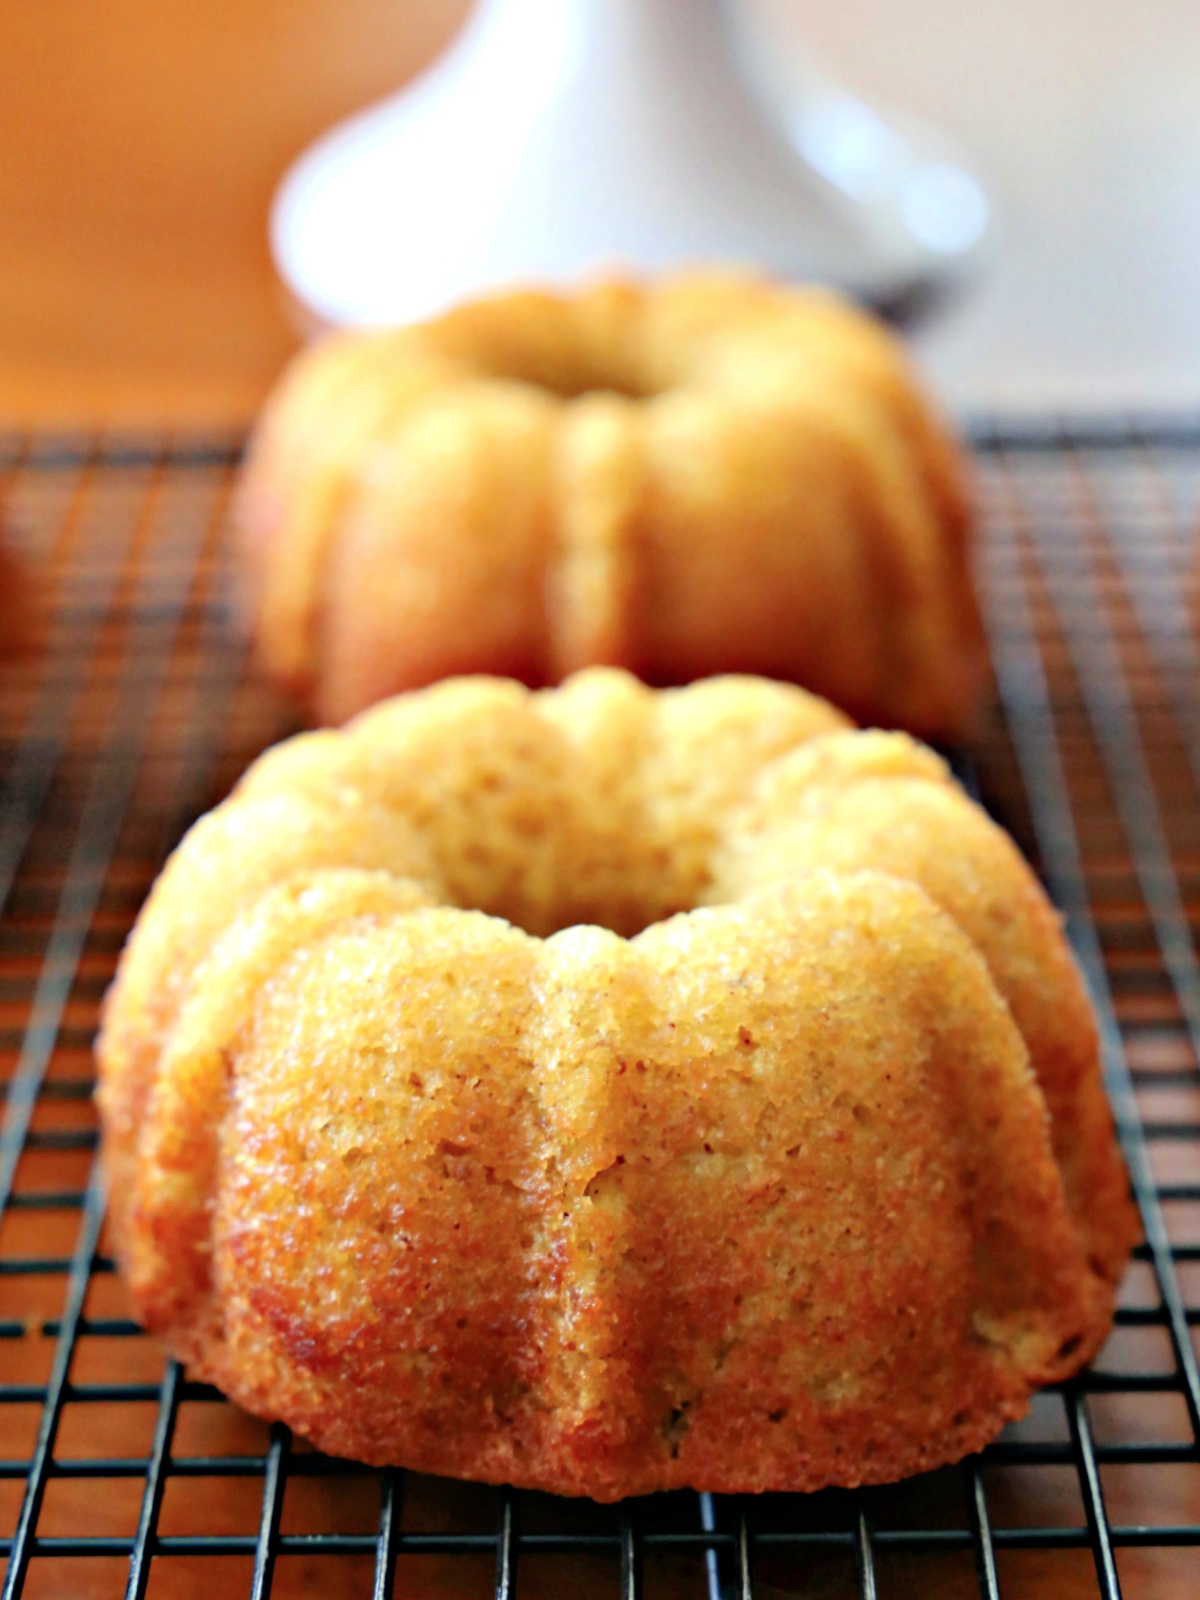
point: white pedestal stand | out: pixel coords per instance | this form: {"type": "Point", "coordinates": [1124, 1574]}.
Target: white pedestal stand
{"type": "Point", "coordinates": [562, 136]}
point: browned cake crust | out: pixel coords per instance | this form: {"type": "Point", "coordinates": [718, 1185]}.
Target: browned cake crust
{"type": "Point", "coordinates": [811, 1184]}
{"type": "Point", "coordinates": [712, 474]}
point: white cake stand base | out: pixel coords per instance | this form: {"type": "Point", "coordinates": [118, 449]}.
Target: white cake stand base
{"type": "Point", "coordinates": [559, 137]}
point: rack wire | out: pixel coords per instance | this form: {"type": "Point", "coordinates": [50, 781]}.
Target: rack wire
{"type": "Point", "coordinates": [136, 710]}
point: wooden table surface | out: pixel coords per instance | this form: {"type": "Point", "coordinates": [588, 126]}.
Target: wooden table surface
{"type": "Point", "coordinates": [142, 141]}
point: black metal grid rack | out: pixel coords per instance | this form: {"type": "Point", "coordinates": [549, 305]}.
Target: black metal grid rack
{"type": "Point", "coordinates": [135, 710]}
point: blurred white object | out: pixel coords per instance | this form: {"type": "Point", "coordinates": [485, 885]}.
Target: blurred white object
{"type": "Point", "coordinates": [1083, 115]}
{"type": "Point", "coordinates": [560, 136]}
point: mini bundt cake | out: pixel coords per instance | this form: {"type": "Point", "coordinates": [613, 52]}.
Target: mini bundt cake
{"type": "Point", "coordinates": [607, 1090]}
{"type": "Point", "coordinates": [713, 474]}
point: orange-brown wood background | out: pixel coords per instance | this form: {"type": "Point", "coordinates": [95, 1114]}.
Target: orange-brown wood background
{"type": "Point", "coordinates": [140, 143]}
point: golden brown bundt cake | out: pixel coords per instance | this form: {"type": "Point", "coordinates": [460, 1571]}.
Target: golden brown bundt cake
{"type": "Point", "coordinates": [710, 474]}
{"type": "Point", "coordinates": [605, 1090]}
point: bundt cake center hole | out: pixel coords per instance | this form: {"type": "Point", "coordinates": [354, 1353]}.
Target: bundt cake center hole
{"type": "Point", "coordinates": [594, 384]}
{"type": "Point", "coordinates": [626, 917]}
{"type": "Point", "coordinates": [625, 921]}
{"type": "Point", "coordinates": [571, 378]}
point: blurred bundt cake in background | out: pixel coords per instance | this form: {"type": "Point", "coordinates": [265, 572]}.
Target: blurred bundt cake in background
{"type": "Point", "coordinates": [708, 474]}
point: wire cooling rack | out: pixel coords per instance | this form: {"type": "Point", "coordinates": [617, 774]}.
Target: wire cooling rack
{"type": "Point", "coordinates": [135, 711]}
